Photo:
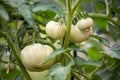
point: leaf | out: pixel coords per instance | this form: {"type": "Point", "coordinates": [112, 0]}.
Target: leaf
{"type": "Point", "coordinates": [59, 72]}
{"type": "Point", "coordinates": [26, 13]}
{"type": "Point", "coordinates": [19, 77]}
{"type": "Point", "coordinates": [114, 51]}
{"type": "Point", "coordinates": [114, 32]}
{"type": "Point", "coordinates": [101, 24]}
{"type": "Point", "coordinates": [44, 6]}
{"type": "Point", "coordinates": [110, 74]}
{"type": "Point", "coordinates": [54, 54]}
{"type": "Point", "coordinates": [100, 6]}
{"type": "Point", "coordinates": [21, 32]}
{"type": "Point", "coordinates": [102, 40]}
{"type": "Point", "coordinates": [16, 3]}
{"type": "Point", "coordinates": [80, 61]}
{"type": "Point", "coordinates": [10, 74]}
{"type": "Point", "coordinates": [3, 13]}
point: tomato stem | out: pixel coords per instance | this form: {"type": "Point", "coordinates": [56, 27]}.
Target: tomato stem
{"type": "Point", "coordinates": [69, 21]}
{"type": "Point", "coordinates": [104, 16]}
{"type": "Point", "coordinates": [70, 12]}
{"type": "Point", "coordinates": [76, 5]}
{"type": "Point", "coordinates": [15, 50]}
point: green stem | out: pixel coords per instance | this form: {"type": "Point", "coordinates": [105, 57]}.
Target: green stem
{"type": "Point", "coordinates": [17, 57]}
{"type": "Point", "coordinates": [75, 75]}
{"type": "Point", "coordinates": [102, 62]}
{"type": "Point", "coordinates": [14, 47]}
{"type": "Point", "coordinates": [86, 77]}
{"type": "Point", "coordinates": [76, 5]}
{"type": "Point", "coordinates": [69, 21]}
{"type": "Point", "coordinates": [70, 12]}
{"type": "Point", "coordinates": [107, 7]}
{"type": "Point", "coordinates": [104, 16]}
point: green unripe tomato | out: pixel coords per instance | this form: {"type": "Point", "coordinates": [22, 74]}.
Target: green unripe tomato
{"type": "Point", "coordinates": [33, 55]}
{"type": "Point", "coordinates": [11, 66]}
{"type": "Point", "coordinates": [77, 35]}
{"type": "Point", "coordinates": [55, 30]}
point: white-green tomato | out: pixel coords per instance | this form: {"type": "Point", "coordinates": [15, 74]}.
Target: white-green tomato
{"type": "Point", "coordinates": [33, 55]}
{"type": "Point", "coordinates": [84, 23]}
{"type": "Point", "coordinates": [77, 35]}
{"type": "Point", "coordinates": [55, 30]}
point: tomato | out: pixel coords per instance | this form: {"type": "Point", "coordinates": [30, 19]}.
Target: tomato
{"type": "Point", "coordinates": [11, 66]}
{"type": "Point", "coordinates": [77, 35]}
{"type": "Point", "coordinates": [55, 30]}
{"type": "Point", "coordinates": [84, 23]}
{"type": "Point", "coordinates": [33, 55]}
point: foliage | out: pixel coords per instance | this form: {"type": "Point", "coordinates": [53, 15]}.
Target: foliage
{"type": "Point", "coordinates": [23, 22]}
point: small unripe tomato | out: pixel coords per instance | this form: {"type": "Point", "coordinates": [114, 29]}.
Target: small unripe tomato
{"type": "Point", "coordinates": [33, 55]}
{"type": "Point", "coordinates": [11, 66]}
{"type": "Point", "coordinates": [77, 35]}
{"type": "Point", "coordinates": [55, 30]}
{"type": "Point", "coordinates": [84, 23]}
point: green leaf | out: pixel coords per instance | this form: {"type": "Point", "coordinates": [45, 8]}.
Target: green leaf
{"type": "Point", "coordinates": [16, 3]}
{"type": "Point", "coordinates": [100, 6]}
{"type": "Point", "coordinates": [114, 32]}
{"type": "Point", "coordinates": [101, 24]}
{"type": "Point", "coordinates": [80, 61]}
{"type": "Point", "coordinates": [26, 13]}
{"type": "Point", "coordinates": [19, 77]}
{"type": "Point", "coordinates": [44, 6]}
{"type": "Point", "coordinates": [114, 51]}
{"type": "Point", "coordinates": [3, 13]}
{"type": "Point", "coordinates": [102, 40]}
{"type": "Point", "coordinates": [59, 72]}
{"type": "Point", "coordinates": [54, 54]}
{"type": "Point", "coordinates": [10, 74]}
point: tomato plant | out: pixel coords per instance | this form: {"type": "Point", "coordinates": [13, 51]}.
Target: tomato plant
{"type": "Point", "coordinates": [69, 39]}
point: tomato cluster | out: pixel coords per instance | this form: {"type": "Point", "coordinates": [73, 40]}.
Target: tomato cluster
{"type": "Point", "coordinates": [79, 32]}
{"type": "Point", "coordinates": [33, 55]}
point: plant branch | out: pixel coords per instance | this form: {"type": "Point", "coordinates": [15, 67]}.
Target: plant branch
{"type": "Point", "coordinates": [102, 62]}
{"type": "Point", "coordinates": [104, 16]}
{"type": "Point", "coordinates": [75, 75]}
{"type": "Point", "coordinates": [107, 7]}
{"type": "Point", "coordinates": [76, 5]}
{"type": "Point", "coordinates": [86, 77]}
{"type": "Point", "coordinates": [17, 57]}
{"type": "Point", "coordinates": [69, 21]}
{"type": "Point", "coordinates": [15, 51]}
{"type": "Point", "coordinates": [3, 61]}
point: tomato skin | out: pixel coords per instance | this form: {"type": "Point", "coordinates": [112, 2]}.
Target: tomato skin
{"type": "Point", "coordinates": [55, 30]}
{"type": "Point", "coordinates": [89, 21]}
{"type": "Point", "coordinates": [84, 23]}
{"type": "Point", "coordinates": [77, 35]}
{"type": "Point", "coordinates": [33, 55]}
